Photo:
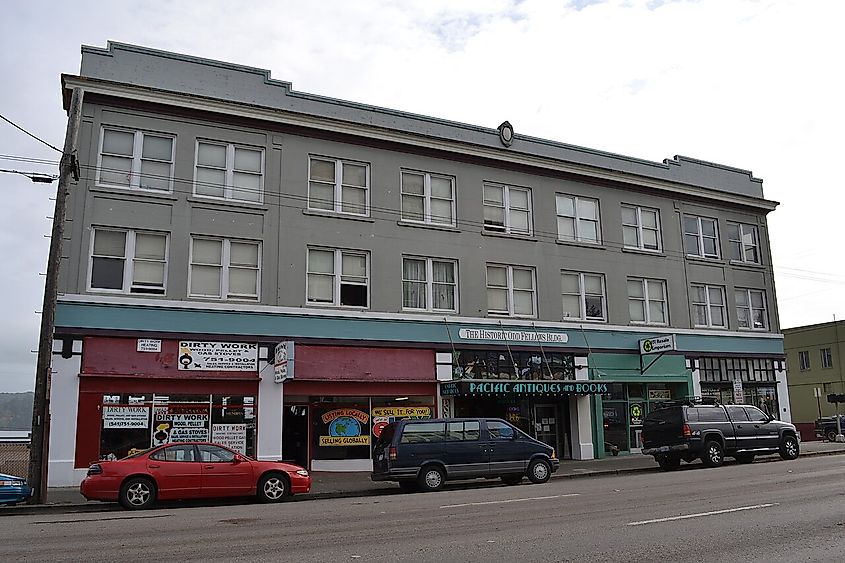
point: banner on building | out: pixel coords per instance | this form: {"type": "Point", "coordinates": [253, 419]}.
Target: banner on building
{"type": "Point", "coordinates": [218, 356]}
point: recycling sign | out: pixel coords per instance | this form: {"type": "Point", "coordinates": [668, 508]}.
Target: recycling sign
{"type": "Point", "coordinates": [658, 344]}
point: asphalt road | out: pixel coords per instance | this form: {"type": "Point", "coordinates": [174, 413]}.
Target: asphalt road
{"type": "Point", "coordinates": [781, 511]}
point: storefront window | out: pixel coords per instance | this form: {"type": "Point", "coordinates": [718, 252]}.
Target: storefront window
{"type": "Point", "coordinates": [764, 397]}
{"type": "Point", "coordinates": [474, 364]}
{"type": "Point", "coordinates": [132, 422]}
{"type": "Point", "coordinates": [624, 408]}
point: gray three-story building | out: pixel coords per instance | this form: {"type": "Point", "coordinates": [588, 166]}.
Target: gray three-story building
{"type": "Point", "coordinates": [285, 273]}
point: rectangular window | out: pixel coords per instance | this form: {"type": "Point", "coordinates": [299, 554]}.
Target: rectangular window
{"type": "Point", "coordinates": [507, 209]}
{"type": "Point", "coordinates": [510, 291]}
{"type": "Point", "coordinates": [339, 186]}
{"type": "Point", "coordinates": [583, 296]}
{"type": "Point", "coordinates": [429, 284]}
{"type": "Point", "coordinates": [578, 219]}
{"type": "Point", "coordinates": [827, 358]}
{"type": "Point", "coordinates": [225, 269]}
{"type": "Point", "coordinates": [229, 171]}
{"type": "Point", "coordinates": [128, 262]}
{"type": "Point", "coordinates": [135, 159]}
{"type": "Point", "coordinates": [804, 360]}
{"type": "Point", "coordinates": [338, 277]}
{"type": "Point", "coordinates": [708, 306]}
{"type": "Point", "coordinates": [701, 236]}
{"type": "Point", "coordinates": [647, 301]}
{"type": "Point", "coordinates": [428, 198]}
{"type": "Point", "coordinates": [751, 309]}
{"type": "Point", "coordinates": [641, 228]}
{"type": "Point", "coordinates": [744, 243]}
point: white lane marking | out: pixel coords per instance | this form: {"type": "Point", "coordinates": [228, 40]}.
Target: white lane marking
{"type": "Point", "coordinates": [506, 501]}
{"type": "Point", "coordinates": [714, 512]}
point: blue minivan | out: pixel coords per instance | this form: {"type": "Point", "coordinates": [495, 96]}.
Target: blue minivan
{"type": "Point", "coordinates": [420, 453]}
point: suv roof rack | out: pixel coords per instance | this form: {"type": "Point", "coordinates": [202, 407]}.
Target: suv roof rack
{"type": "Point", "coordinates": [689, 402]}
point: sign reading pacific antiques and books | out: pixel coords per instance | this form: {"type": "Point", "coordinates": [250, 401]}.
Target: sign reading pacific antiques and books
{"type": "Point", "coordinates": [218, 356]}
{"type": "Point", "coordinates": [471, 388]}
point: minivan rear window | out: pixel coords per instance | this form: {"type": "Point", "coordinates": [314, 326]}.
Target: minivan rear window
{"type": "Point", "coordinates": [386, 435]}
{"type": "Point", "coordinates": [462, 431]}
{"type": "Point", "coordinates": [423, 432]}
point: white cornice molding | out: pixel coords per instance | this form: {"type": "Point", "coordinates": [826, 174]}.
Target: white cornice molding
{"type": "Point", "coordinates": [290, 118]}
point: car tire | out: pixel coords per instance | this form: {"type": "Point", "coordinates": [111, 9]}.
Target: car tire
{"type": "Point", "coordinates": [713, 454]}
{"type": "Point", "coordinates": [408, 486]}
{"type": "Point", "coordinates": [512, 479]}
{"type": "Point", "coordinates": [668, 462]}
{"type": "Point", "coordinates": [744, 458]}
{"type": "Point", "coordinates": [789, 448]}
{"type": "Point", "coordinates": [831, 436]}
{"type": "Point", "coordinates": [272, 487]}
{"type": "Point", "coordinates": [431, 478]}
{"type": "Point", "coordinates": [539, 471]}
{"type": "Point", "coordinates": [137, 493]}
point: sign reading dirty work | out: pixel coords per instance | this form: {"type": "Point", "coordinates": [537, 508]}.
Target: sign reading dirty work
{"type": "Point", "coordinates": [471, 388]}
{"type": "Point", "coordinates": [658, 344]}
{"type": "Point", "coordinates": [218, 356]}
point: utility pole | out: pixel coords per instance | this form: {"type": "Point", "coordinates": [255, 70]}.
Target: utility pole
{"type": "Point", "coordinates": [39, 447]}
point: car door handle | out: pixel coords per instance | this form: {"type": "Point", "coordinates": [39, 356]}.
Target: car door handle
{"type": "Point", "coordinates": [152, 466]}
{"type": "Point", "coordinates": [209, 467]}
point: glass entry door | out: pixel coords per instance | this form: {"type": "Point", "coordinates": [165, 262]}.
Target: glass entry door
{"type": "Point", "coordinates": [546, 425]}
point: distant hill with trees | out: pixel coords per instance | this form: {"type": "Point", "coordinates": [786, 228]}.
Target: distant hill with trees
{"type": "Point", "coordinates": [16, 411]}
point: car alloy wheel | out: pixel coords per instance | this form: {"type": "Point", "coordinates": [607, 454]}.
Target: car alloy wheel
{"type": "Point", "coordinates": [789, 448]}
{"type": "Point", "coordinates": [273, 488]}
{"type": "Point", "coordinates": [432, 478]}
{"type": "Point", "coordinates": [539, 471]}
{"type": "Point", "coordinates": [138, 494]}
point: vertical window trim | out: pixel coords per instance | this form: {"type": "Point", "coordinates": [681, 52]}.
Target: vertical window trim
{"type": "Point", "coordinates": [510, 290]}
{"type": "Point", "coordinates": [803, 360]}
{"type": "Point", "coordinates": [337, 192]}
{"type": "Point", "coordinates": [646, 300]}
{"type": "Point", "coordinates": [225, 263]}
{"type": "Point", "coordinates": [337, 274]}
{"type": "Point", "coordinates": [506, 205]}
{"type": "Point", "coordinates": [137, 153]}
{"type": "Point", "coordinates": [576, 217]}
{"type": "Point", "coordinates": [229, 183]}
{"type": "Point", "coordinates": [750, 308]}
{"type": "Point", "coordinates": [429, 283]}
{"type": "Point", "coordinates": [639, 226]}
{"type": "Point", "coordinates": [427, 197]}
{"type": "Point", "coordinates": [708, 306]}
{"type": "Point", "coordinates": [128, 261]}
{"type": "Point", "coordinates": [699, 236]}
{"type": "Point", "coordinates": [826, 357]}
{"type": "Point", "coordinates": [582, 297]}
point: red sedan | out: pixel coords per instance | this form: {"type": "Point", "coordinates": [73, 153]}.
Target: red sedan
{"type": "Point", "coordinates": [191, 470]}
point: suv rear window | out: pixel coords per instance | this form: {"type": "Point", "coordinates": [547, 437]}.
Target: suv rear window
{"type": "Point", "coordinates": [711, 414]}
{"type": "Point", "coordinates": [423, 432]}
{"type": "Point", "coordinates": [670, 415]}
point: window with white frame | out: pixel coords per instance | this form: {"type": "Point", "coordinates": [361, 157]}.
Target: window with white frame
{"type": "Point", "coordinates": [744, 243]}
{"type": "Point", "coordinates": [578, 218]}
{"type": "Point", "coordinates": [708, 306]}
{"type": "Point", "coordinates": [804, 360]}
{"type": "Point", "coordinates": [827, 358]}
{"type": "Point", "coordinates": [701, 236]}
{"type": "Point", "coordinates": [340, 186]}
{"type": "Point", "coordinates": [338, 277]}
{"type": "Point", "coordinates": [583, 296]}
{"type": "Point", "coordinates": [429, 284]}
{"type": "Point", "coordinates": [507, 209]}
{"type": "Point", "coordinates": [135, 159]}
{"type": "Point", "coordinates": [751, 309]}
{"type": "Point", "coordinates": [229, 171]}
{"type": "Point", "coordinates": [641, 228]}
{"type": "Point", "coordinates": [125, 261]}
{"type": "Point", "coordinates": [225, 269]}
{"type": "Point", "coordinates": [428, 198]}
{"type": "Point", "coordinates": [647, 301]}
{"type": "Point", "coordinates": [510, 291]}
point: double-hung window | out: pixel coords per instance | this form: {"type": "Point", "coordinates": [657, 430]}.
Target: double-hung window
{"type": "Point", "coordinates": [338, 277]}
{"type": "Point", "coordinates": [135, 159]}
{"type": "Point", "coordinates": [744, 243]}
{"type": "Point", "coordinates": [584, 296]}
{"type": "Point", "coordinates": [511, 291]}
{"type": "Point", "coordinates": [641, 228]}
{"type": "Point", "coordinates": [128, 262]}
{"type": "Point", "coordinates": [701, 236]}
{"type": "Point", "coordinates": [708, 306]}
{"type": "Point", "coordinates": [578, 219]}
{"type": "Point", "coordinates": [428, 198]}
{"type": "Point", "coordinates": [507, 209]}
{"type": "Point", "coordinates": [827, 358]}
{"type": "Point", "coordinates": [339, 186]}
{"type": "Point", "coordinates": [225, 269]}
{"type": "Point", "coordinates": [229, 171]}
{"type": "Point", "coordinates": [647, 301]}
{"type": "Point", "coordinates": [751, 309]}
{"type": "Point", "coordinates": [429, 284]}
{"type": "Point", "coordinates": [804, 360]}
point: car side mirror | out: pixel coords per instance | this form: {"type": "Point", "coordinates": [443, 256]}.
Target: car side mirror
{"type": "Point", "coordinates": [238, 458]}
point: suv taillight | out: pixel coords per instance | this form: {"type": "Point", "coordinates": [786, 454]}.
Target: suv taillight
{"type": "Point", "coordinates": [687, 432]}
{"type": "Point", "coordinates": [392, 453]}
{"type": "Point", "coordinates": [95, 469]}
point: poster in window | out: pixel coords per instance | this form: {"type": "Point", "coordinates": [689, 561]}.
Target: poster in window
{"type": "Point", "coordinates": [178, 423]}
{"type": "Point", "coordinates": [232, 436]}
{"type": "Point", "coordinates": [382, 416]}
{"type": "Point", "coordinates": [125, 416]}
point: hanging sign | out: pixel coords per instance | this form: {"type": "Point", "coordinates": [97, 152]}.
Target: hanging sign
{"type": "Point", "coordinates": [658, 344]}
{"type": "Point", "coordinates": [283, 361]}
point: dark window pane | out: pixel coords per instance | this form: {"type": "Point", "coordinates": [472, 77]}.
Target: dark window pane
{"type": "Point", "coordinates": [353, 295]}
{"type": "Point", "coordinates": [107, 273]}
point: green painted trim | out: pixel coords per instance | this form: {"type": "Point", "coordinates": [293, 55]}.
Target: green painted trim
{"type": "Point", "coordinates": [598, 426]}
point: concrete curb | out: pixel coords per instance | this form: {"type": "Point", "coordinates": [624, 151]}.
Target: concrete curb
{"type": "Point", "coordinates": [95, 506]}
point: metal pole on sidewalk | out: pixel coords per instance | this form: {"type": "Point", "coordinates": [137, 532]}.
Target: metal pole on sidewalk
{"type": "Point", "coordinates": [39, 447]}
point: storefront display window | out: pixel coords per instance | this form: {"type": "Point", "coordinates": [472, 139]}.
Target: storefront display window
{"type": "Point", "coordinates": [764, 397]}
{"type": "Point", "coordinates": [624, 408]}
{"type": "Point", "coordinates": [474, 364]}
{"type": "Point", "coordinates": [132, 422]}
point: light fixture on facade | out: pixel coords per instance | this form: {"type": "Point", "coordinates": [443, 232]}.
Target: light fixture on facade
{"type": "Point", "coordinates": [401, 398]}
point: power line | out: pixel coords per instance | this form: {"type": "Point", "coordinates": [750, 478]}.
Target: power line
{"type": "Point", "coordinates": [30, 159]}
{"type": "Point", "coordinates": [34, 176]}
{"type": "Point", "coordinates": [16, 126]}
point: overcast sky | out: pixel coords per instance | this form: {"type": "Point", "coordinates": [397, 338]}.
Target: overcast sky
{"type": "Point", "coordinates": [753, 84]}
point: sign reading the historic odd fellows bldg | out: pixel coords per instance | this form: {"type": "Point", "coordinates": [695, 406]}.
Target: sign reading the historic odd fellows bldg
{"type": "Point", "coordinates": [469, 388]}
{"type": "Point", "coordinates": [658, 344]}
{"type": "Point", "coordinates": [218, 356]}
{"type": "Point", "coordinates": [512, 335]}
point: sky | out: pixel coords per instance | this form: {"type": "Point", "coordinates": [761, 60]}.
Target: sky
{"type": "Point", "coordinates": [753, 84]}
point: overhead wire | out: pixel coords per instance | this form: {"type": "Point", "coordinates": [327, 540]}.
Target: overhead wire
{"type": "Point", "coordinates": [40, 140]}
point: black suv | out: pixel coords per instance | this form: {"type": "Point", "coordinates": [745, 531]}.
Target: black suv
{"type": "Point", "coordinates": [695, 429]}
{"type": "Point", "coordinates": [826, 427]}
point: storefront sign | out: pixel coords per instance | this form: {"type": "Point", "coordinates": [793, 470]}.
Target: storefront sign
{"type": "Point", "coordinates": [218, 356]}
{"type": "Point", "coordinates": [513, 335]}
{"type": "Point", "coordinates": [233, 436]}
{"type": "Point", "coordinates": [659, 394]}
{"type": "Point", "coordinates": [149, 345]}
{"type": "Point", "coordinates": [382, 416]}
{"type": "Point", "coordinates": [469, 388]}
{"type": "Point", "coordinates": [636, 414]}
{"type": "Point", "coordinates": [346, 427]}
{"type": "Point", "coordinates": [126, 417]}
{"type": "Point", "coordinates": [658, 344]}
{"type": "Point", "coordinates": [739, 395]}
{"type": "Point", "coordinates": [283, 361]}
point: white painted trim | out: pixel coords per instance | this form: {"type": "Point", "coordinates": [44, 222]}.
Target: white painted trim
{"type": "Point", "coordinates": [340, 465]}
{"type": "Point", "coordinates": [64, 406]}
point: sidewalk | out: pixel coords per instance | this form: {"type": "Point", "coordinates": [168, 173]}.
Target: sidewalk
{"type": "Point", "coordinates": [355, 484]}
